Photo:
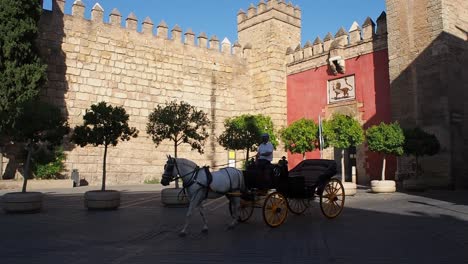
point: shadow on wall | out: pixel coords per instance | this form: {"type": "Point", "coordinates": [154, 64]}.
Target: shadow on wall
{"type": "Point", "coordinates": [431, 93]}
{"type": "Point", "coordinates": [382, 114]}
{"type": "Point", "coordinates": [50, 39]}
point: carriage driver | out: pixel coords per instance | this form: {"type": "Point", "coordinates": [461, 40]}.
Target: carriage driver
{"type": "Point", "coordinates": [264, 158]}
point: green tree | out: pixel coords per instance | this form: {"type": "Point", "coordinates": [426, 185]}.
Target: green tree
{"type": "Point", "coordinates": [39, 125]}
{"type": "Point", "coordinates": [387, 139]}
{"type": "Point", "coordinates": [342, 132]}
{"type": "Point", "coordinates": [180, 123]}
{"type": "Point", "coordinates": [22, 73]}
{"type": "Point", "coordinates": [244, 132]}
{"type": "Point", "coordinates": [300, 136]}
{"type": "Point", "coordinates": [103, 125]}
{"type": "Point", "coordinates": [420, 143]}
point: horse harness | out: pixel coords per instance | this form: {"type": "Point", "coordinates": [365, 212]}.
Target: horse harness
{"type": "Point", "coordinates": [209, 176]}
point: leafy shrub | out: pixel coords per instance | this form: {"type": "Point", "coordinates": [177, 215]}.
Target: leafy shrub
{"type": "Point", "coordinates": [50, 165]}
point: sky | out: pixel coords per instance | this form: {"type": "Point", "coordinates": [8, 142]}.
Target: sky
{"type": "Point", "coordinates": [219, 17]}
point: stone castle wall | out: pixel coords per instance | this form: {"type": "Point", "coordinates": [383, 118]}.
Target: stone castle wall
{"type": "Point", "coordinates": [427, 57]}
{"type": "Point", "coordinates": [360, 40]}
{"type": "Point", "coordinates": [269, 29]}
{"type": "Point", "coordinates": [96, 60]}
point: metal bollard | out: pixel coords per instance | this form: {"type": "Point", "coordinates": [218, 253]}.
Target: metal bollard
{"type": "Point", "coordinates": [75, 176]}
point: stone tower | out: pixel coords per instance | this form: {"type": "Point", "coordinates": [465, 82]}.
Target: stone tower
{"type": "Point", "coordinates": [427, 42]}
{"type": "Point", "coordinates": [268, 30]}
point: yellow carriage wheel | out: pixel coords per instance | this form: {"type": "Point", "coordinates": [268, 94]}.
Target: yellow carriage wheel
{"type": "Point", "coordinates": [275, 209]}
{"type": "Point", "coordinates": [298, 206]}
{"type": "Point", "coordinates": [245, 210]}
{"type": "Point", "coordinates": [332, 198]}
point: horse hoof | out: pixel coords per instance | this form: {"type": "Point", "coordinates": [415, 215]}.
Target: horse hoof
{"type": "Point", "coordinates": [182, 234]}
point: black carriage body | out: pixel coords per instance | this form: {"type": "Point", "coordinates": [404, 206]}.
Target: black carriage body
{"type": "Point", "coordinates": [300, 182]}
{"type": "Point", "coordinates": [294, 191]}
{"type": "Point", "coordinates": [304, 179]}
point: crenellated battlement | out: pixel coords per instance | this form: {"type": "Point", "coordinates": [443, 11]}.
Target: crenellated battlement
{"type": "Point", "coordinates": [140, 63]}
{"type": "Point", "coordinates": [345, 44]}
{"type": "Point", "coordinates": [147, 27]}
{"type": "Point", "coordinates": [272, 9]}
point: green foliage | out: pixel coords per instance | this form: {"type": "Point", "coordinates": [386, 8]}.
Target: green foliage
{"type": "Point", "coordinates": [386, 138]}
{"type": "Point", "coordinates": [180, 123]}
{"type": "Point", "coordinates": [40, 125]}
{"type": "Point", "coordinates": [49, 165]}
{"type": "Point", "coordinates": [244, 132]}
{"type": "Point", "coordinates": [342, 132]}
{"type": "Point", "coordinates": [22, 73]}
{"type": "Point", "coordinates": [300, 136]}
{"type": "Point", "coordinates": [420, 143]}
{"type": "Point", "coordinates": [103, 125]}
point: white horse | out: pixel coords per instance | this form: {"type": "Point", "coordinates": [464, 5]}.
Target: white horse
{"type": "Point", "coordinates": [197, 182]}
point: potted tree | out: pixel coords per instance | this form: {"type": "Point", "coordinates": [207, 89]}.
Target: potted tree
{"type": "Point", "coordinates": [243, 133]}
{"type": "Point", "coordinates": [419, 143]}
{"type": "Point", "coordinates": [103, 125]}
{"type": "Point", "coordinates": [387, 139]}
{"type": "Point", "coordinates": [300, 136]}
{"type": "Point", "coordinates": [342, 132]}
{"type": "Point", "coordinates": [40, 125]}
{"type": "Point", "coordinates": [180, 123]}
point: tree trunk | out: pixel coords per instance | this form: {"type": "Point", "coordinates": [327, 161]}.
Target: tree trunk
{"type": "Point", "coordinates": [175, 156]}
{"type": "Point", "coordinates": [342, 166]}
{"type": "Point", "coordinates": [27, 169]}
{"type": "Point", "coordinates": [303, 156]}
{"type": "Point", "coordinates": [247, 156]}
{"type": "Point", "coordinates": [383, 167]}
{"type": "Point", "coordinates": [103, 188]}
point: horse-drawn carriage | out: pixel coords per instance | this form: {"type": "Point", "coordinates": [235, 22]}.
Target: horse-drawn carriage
{"type": "Point", "coordinates": [292, 190]}
{"type": "Point", "coordinates": [287, 190]}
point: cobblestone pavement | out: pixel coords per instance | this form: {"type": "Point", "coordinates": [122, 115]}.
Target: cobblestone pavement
{"type": "Point", "coordinates": [429, 227]}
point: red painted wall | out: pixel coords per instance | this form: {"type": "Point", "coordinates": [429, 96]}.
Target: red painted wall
{"type": "Point", "coordinates": [307, 96]}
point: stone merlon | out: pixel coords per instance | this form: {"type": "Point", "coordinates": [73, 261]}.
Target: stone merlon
{"type": "Point", "coordinates": [281, 11]}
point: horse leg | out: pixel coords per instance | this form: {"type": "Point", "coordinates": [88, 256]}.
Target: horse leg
{"type": "Point", "coordinates": [205, 223]}
{"type": "Point", "coordinates": [183, 232]}
{"type": "Point", "coordinates": [194, 203]}
{"type": "Point", "coordinates": [235, 204]}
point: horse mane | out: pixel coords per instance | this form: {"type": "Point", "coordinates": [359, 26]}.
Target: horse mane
{"type": "Point", "coordinates": [186, 162]}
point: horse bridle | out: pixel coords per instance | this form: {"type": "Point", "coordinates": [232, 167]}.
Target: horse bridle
{"type": "Point", "coordinates": [174, 163]}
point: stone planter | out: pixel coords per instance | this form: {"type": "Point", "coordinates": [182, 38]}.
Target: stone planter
{"type": "Point", "coordinates": [34, 184]}
{"type": "Point", "coordinates": [383, 186]}
{"type": "Point", "coordinates": [414, 185]}
{"type": "Point", "coordinates": [19, 202]}
{"type": "Point", "coordinates": [170, 197]}
{"type": "Point", "coordinates": [349, 188]}
{"type": "Point", "coordinates": [102, 200]}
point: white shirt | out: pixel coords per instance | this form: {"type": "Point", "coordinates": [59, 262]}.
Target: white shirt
{"type": "Point", "coordinates": [266, 147]}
